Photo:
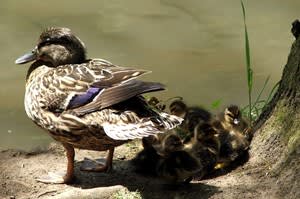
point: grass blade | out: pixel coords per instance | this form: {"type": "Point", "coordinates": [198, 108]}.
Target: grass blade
{"type": "Point", "coordinates": [248, 64]}
{"type": "Point", "coordinates": [261, 91]}
{"type": "Point", "coordinates": [275, 87]}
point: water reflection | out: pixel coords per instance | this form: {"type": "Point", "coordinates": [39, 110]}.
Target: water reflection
{"type": "Point", "coordinates": [195, 47]}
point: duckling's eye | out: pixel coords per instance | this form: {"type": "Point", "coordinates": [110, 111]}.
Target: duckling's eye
{"type": "Point", "coordinates": [230, 115]}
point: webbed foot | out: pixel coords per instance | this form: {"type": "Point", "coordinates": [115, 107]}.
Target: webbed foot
{"type": "Point", "coordinates": [62, 177]}
{"type": "Point", "coordinates": [55, 178]}
{"type": "Point", "coordinates": [98, 165]}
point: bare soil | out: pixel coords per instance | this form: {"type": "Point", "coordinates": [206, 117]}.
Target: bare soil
{"type": "Point", "coordinates": [18, 171]}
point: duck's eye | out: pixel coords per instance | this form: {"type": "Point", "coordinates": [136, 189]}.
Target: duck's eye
{"type": "Point", "coordinates": [44, 43]}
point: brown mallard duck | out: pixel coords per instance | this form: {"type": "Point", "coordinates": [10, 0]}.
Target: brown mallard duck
{"type": "Point", "coordinates": [87, 103]}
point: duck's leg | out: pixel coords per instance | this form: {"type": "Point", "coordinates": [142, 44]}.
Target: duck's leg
{"type": "Point", "coordinates": [60, 178]}
{"type": "Point", "coordinates": [96, 166]}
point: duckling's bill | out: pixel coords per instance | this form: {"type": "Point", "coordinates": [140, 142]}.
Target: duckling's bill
{"type": "Point", "coordinates": [236, 121]}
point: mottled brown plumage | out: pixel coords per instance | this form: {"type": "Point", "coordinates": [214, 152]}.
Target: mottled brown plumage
{"type": "Point", "coordinates": [87, 104]}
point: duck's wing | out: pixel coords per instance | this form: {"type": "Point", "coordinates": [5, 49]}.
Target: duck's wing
{"type": "Point", "coordinates": [92, 86]}
{"type": "Point", "coordinates": [115, 94]}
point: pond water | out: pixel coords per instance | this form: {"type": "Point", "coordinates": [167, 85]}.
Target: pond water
{"type": "Point", "coordinates": [195, 47]}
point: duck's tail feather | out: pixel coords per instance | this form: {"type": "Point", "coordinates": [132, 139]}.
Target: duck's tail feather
{"type": "Point", "coordinates": [167, 121]}
{"type": "Point", "coordinates": [129, 126]}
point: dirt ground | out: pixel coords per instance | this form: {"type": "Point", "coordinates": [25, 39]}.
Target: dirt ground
{"type": "Point", "coordinates": [18, 171]}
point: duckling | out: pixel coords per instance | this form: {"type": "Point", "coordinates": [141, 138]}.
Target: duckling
{"type": "Point", "coordinates": [167, 159]}
{"type": "Point", "coordinates": [154, 140]}
{"type": "Point", "coordinates": [231, 120]}
{"type": "Point", "coordinates": [156, 150]}
{"type": "Point", "coordinates": [232, 130]}
{"type": "Point", "coordinates": [167, 143]}
{"type": "Point", "coordinates": [178, 108]}
{"type": "Point", "coordinates": [87, 103]}
{"type": "Point", "coordinates": [155, 103]}
{"type": "Point", "coordinates": [205, 146]}
{"type": "Point", "coordinates": [192, 117]}
{"type": "Point", "coordinates": [178, 167]}
{"type": "Point", "coordinates": [146, 160]}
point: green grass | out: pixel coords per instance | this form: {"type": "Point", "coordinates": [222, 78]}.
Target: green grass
{"type": "Point", "coordinates": [216, 104]}
{"type": "Point", "coordinates": [249, 70]}
{"type": "Point", "coordinates": [253, 110]}
{"type": "Point", "coordinates": [125, 194]}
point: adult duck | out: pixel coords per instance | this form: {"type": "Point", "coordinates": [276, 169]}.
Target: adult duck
{"type": "Point", "coordinates": [87, 103]}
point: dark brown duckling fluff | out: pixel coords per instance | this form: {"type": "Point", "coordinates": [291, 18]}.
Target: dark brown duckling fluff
{"type": "Point", "coordinates": [178, 167]}
{"type": "Point", "coordinates": [232, 135]}
{"type": "Point", "coordinates": [205, 146]}
{"type": "Point", "coordinates": [192, 116]}
{"type": "Point", "coordinates": [168, 160]}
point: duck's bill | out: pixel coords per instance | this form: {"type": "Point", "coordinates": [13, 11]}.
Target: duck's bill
{"type": "Point", "coordinates": [28, 57]}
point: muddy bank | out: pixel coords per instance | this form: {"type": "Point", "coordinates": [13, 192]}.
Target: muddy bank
{"type": "Point", "coordinates": [20, 169]}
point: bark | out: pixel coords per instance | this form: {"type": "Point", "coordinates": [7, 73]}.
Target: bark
{"type": "Point", "coordinates": [276, 142]}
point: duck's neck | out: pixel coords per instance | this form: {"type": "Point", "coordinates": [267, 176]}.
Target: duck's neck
{"type": "Point", "coordinates": [34, 66]}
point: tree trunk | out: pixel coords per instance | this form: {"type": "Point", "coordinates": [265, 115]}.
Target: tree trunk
{"type": "Point", "coordinates": [276, 142]}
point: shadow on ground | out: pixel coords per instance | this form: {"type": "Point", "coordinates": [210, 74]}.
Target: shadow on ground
{"type": "Point", "coordinates": [149, 187]}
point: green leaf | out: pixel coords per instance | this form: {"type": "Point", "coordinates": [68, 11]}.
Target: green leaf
{"type": "Point", "coordinates": [216, 104]}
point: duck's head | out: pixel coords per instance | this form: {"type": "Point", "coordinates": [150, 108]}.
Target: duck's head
{"type": "Point", "coordinates": [178, 108]}
{"type": "Point", "coordinates": [204, 131]}
{"type": "Point", "coordinates": [56, 46]}
{"type": "Point", "coordinates": [232, 115]}
{"type": "Point", "coordinates": [206, 135]}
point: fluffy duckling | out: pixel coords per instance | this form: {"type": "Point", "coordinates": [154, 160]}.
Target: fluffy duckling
{"type": "Point", "coordinates": [87, 103]}
{"type": "Point", "coordinates": [155, 148]}
{"type": "Point", "coordinates": [161, 141]}
{"type": "Point", "coordinates": [231, 120]}
{"type": "Point", "coordinates": [171, 142]}
{"type": "Point", "coordinates": [145, 162]}
{"type": "Point", "coordinates": [192, 117]}
{"type": "Point", "coordinates": [232, 130]}
{"type": "Point", "coordinates": [178, 107]}
{"type": "Point", "coordinates": [167, 159]}
{"type": "Point", "coordinates": [178, 167]}
{"type": "Point", "coordinates": [156, 103]}
{"type": "Point", "coordinates": [205, 146]}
